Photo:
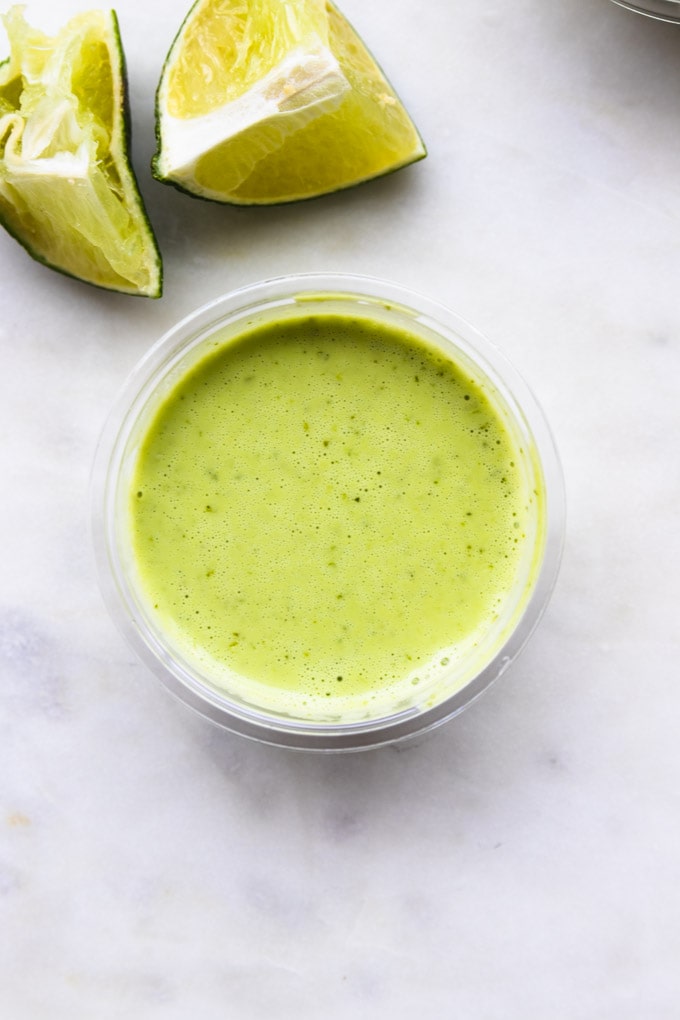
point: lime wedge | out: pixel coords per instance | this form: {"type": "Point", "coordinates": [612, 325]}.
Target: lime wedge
{"type": "Point", "coordinates": [67, 191]}
{"type": "Point", "coordinates": [262, 102]}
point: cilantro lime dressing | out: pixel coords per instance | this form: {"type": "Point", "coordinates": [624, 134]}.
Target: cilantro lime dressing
{"type": "Point", "coordinates": [326, 513]}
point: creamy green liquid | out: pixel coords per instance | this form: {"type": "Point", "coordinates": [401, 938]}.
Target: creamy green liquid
{"type": "Point", "coordinates": [327, 515]}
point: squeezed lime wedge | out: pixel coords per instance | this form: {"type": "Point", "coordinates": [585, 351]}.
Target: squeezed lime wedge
{"type": "Point", "coordinates": [68, 192]}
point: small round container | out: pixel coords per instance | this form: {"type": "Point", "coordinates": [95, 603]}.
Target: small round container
{"type": "Point", "coordinates": [662, 10]}
{"type": "Point", "coordinates": [157, 375]}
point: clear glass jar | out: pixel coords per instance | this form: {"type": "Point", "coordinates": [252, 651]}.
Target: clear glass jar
{"type": "Point", "coordinates": [662, 10]}
{"type": "Point", "coordinates": [157, 374]}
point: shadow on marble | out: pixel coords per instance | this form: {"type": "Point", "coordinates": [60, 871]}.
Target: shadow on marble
{"type": "Point", "coordinates": [470, 766]}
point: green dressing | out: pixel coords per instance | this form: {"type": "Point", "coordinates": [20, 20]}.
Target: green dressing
{"type": "Point", "coordinates": [327, 514]}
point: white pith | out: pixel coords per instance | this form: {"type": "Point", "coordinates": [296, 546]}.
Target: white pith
{"type": "Point", "coordinates": [303, 86]}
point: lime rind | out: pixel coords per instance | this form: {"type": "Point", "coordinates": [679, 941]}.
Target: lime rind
{"type": "Point", "coordinates": [68, 193]}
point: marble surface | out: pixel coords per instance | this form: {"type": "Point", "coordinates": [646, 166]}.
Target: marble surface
{"type": "Point", "coordinates": [522, 861]}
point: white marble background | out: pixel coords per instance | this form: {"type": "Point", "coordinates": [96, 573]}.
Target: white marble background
{"type": "Point", "coordinates": [522, 862]}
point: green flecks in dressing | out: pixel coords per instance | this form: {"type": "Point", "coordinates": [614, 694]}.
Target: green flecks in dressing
{"type": "Point", "coordinates": [326, 507]}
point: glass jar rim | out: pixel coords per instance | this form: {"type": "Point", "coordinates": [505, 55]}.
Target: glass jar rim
{"type": "Point", "coordinates": [660, 10]}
